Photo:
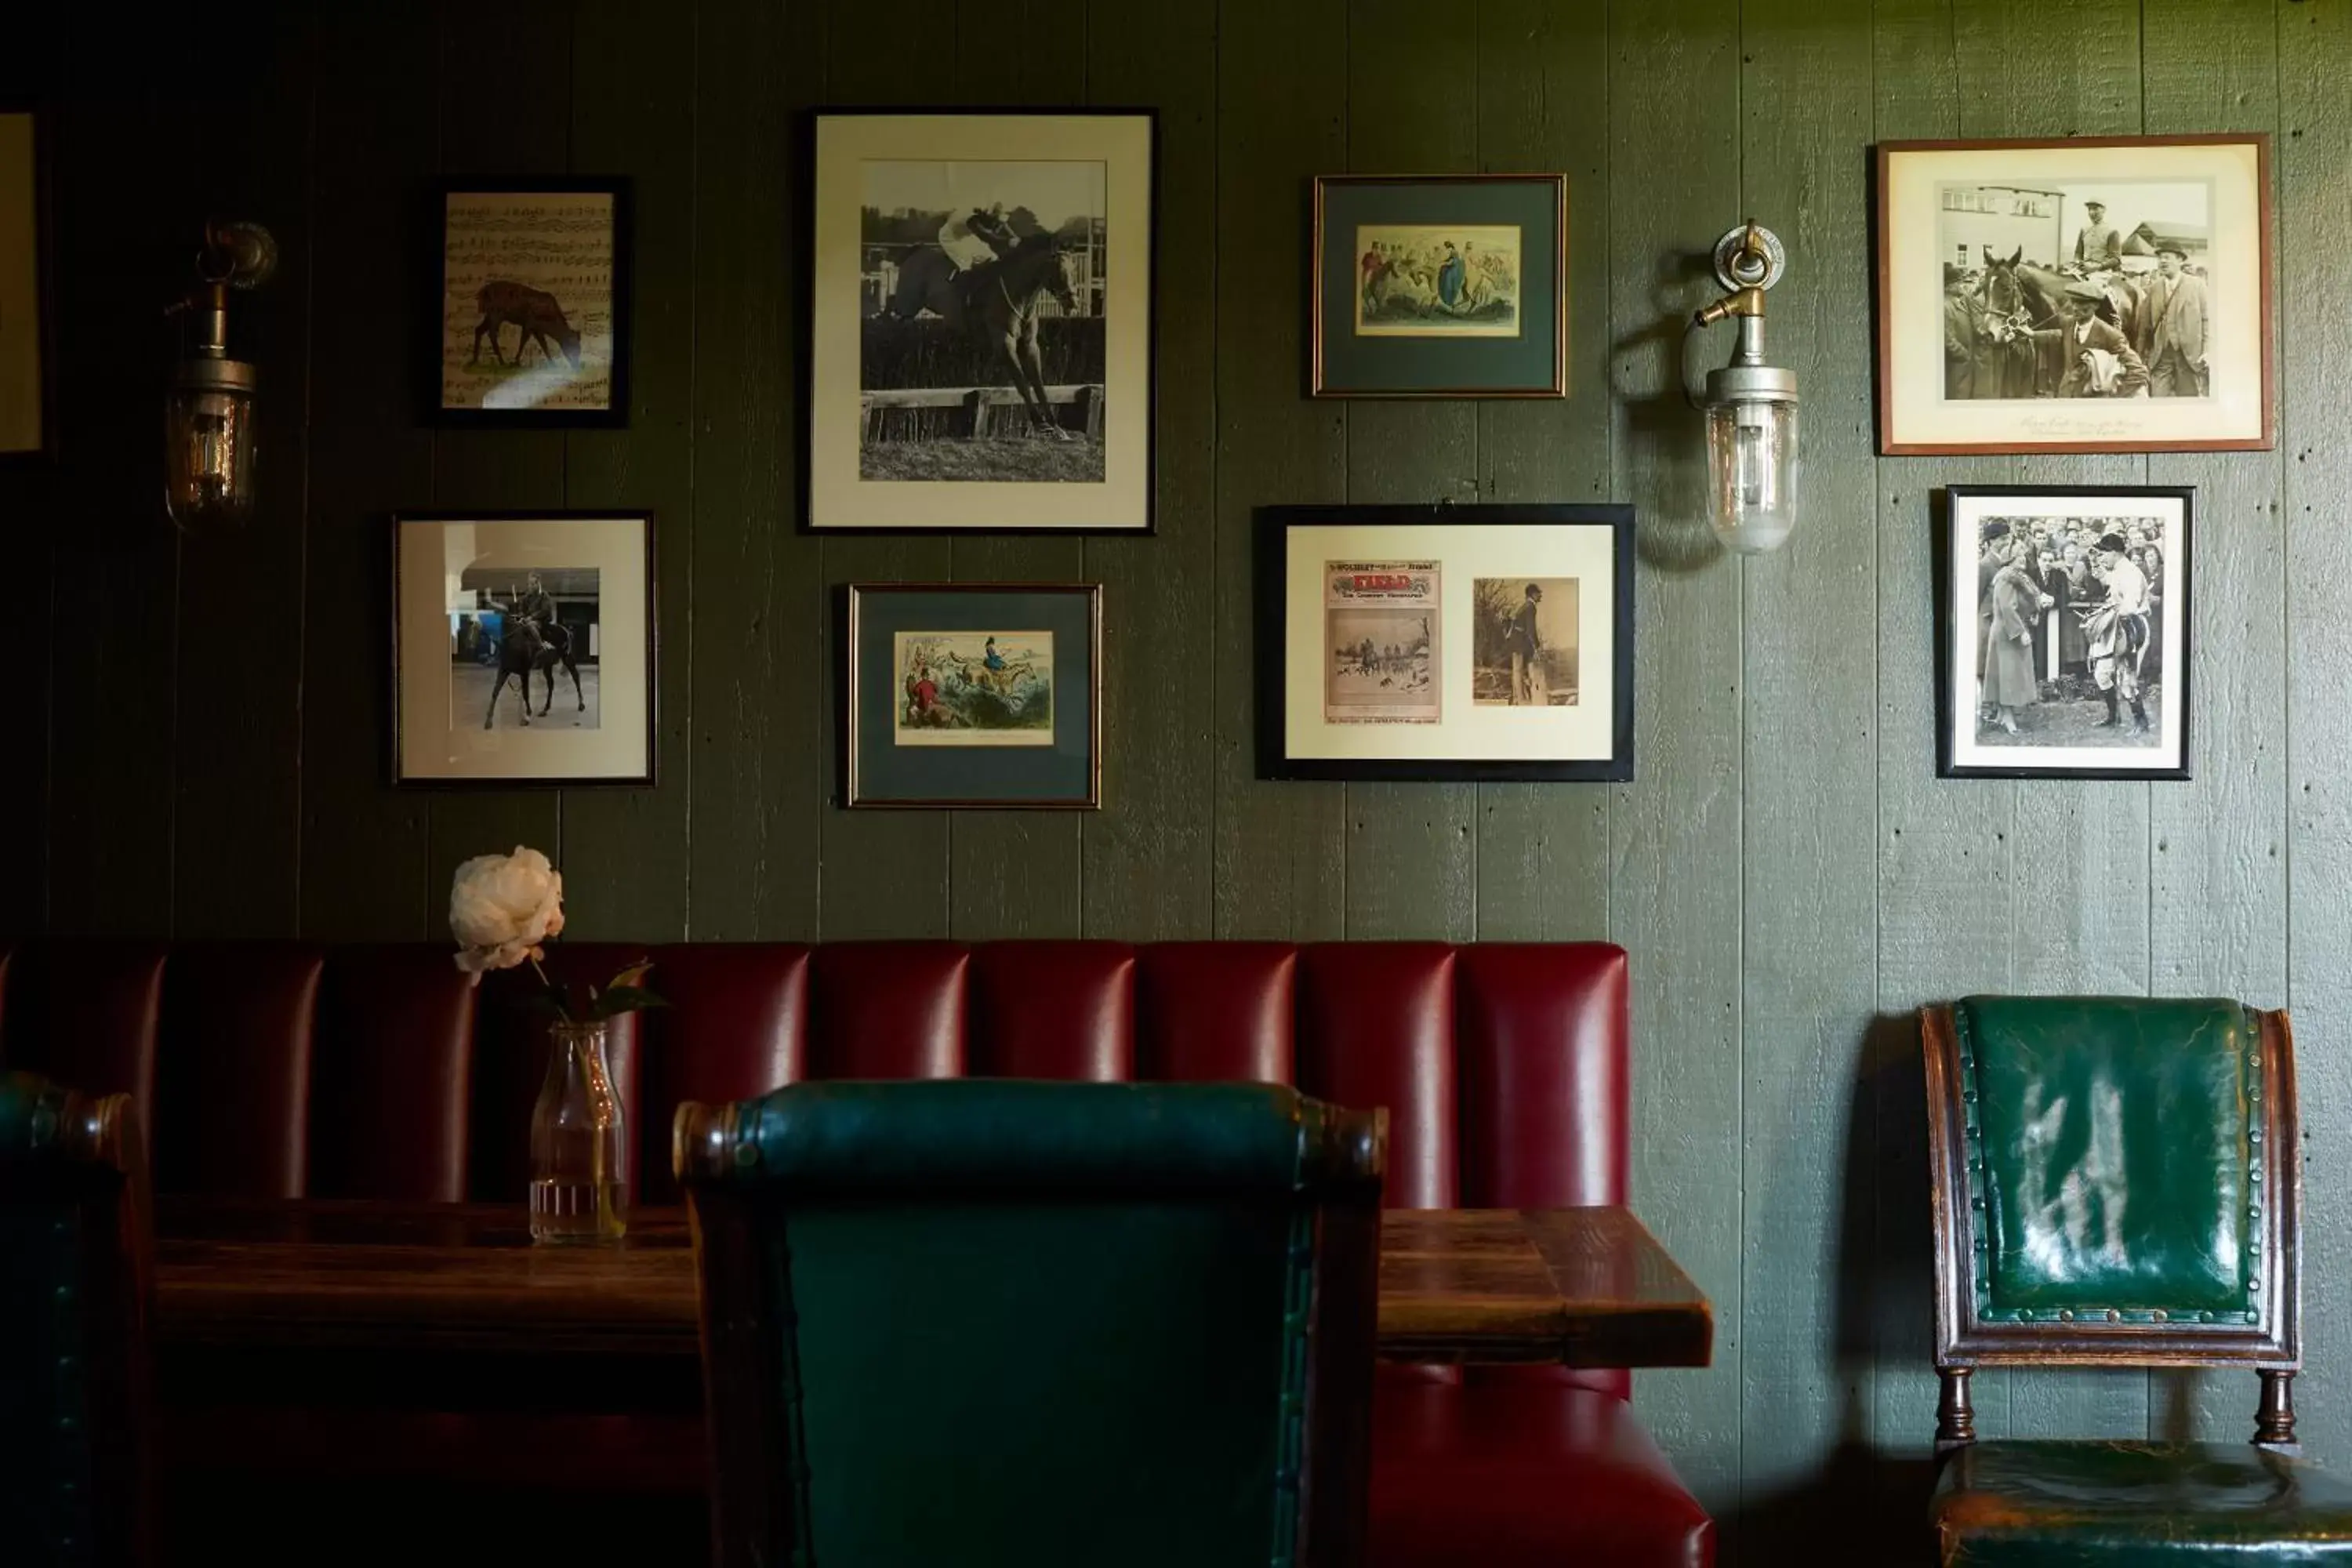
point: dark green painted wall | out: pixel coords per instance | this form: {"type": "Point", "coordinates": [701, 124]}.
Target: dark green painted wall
{"type": "Point", "coordinates": [195, 742]}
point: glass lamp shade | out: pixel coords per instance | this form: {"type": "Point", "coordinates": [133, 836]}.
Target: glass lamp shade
{"type": "Point", "coordinates": [208, 448]}
{"type": "Point", "coordinates": [1753, 471]}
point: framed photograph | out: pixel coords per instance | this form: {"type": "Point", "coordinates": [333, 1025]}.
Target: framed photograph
{"type": "Point", "coordinates": [26, 422]}
{"type": "Point", "coordinates": [980, 339]}
{"type": "Point", "coordinates": [1440, 286]}
{"type": "Point", "coordinates": [523, 648]}
{"type": "Point", "coordinates": [2102, 294]}
{"type": "Point", "coordinates": [2064, 645]}
{"type": "Point", "coordinates": [534, 304]}
{"type": "Point", "coordinates": [968, 694]}
{"type": "Point", "coordinates": [1449, 642]}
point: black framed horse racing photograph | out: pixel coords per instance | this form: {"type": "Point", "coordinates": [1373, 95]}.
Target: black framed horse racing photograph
{"type": "Point", "coordinates": [523, 648]}
{"type": "Point", "coordinates": [530, 324]}
{"type": "Point", "coordinates": [2094, 294]}
{"type": "Point", "coordinates": [979, 326]}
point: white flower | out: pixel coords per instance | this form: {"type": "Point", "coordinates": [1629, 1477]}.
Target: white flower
{"type": "Point", "coordinates": [502, 907]}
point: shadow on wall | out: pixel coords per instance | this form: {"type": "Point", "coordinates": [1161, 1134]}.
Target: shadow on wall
{"type": "Point", "coordinates": [1868, 1503]}
{"type": "Point", "coordinates": [1663, 438]}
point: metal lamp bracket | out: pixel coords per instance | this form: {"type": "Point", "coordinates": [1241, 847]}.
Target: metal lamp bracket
{"type": "Point", "coordinates": [1749, 256]}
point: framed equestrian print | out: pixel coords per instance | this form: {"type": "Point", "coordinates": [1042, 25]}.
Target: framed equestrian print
{"type": "Point", "coordinates": [971, 694]}
{"type": "Point", "coordinates": [2102, 294]}
{"type": "Point", "coordinates": [1442, 286]}
{"type": "Point", "coordinates": [981, 327]}
{"type": "Point", "coordinates": [27, 426]}
{"type": "Point", "coordinates": [1448, 643]}
{"type": "Point", "coordinates": [533, 330]}
{"type": "Point", "coordinates": [2063, 650]}
{"type": "Point", "coordinates": [523, 648]}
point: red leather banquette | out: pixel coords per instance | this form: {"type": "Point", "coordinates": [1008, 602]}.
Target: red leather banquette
{"type": "Point", "coordinates": [284, 1070]}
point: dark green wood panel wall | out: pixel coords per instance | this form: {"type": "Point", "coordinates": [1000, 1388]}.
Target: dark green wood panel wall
{"type": "Point", "coordinates": [197, 745]}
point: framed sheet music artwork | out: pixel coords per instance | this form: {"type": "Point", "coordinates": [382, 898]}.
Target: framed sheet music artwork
{"type": "Point", "coordinates": [533, 328]}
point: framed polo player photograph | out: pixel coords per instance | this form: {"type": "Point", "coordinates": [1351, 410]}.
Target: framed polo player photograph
{"type": "Point", "coordinates": [523, 648]}
{"type": "Point", "coordinates": [531, 331]}
{"type": "Point", "coordinates": [2097, 294]}
{"type": "Point", "coordinates": [2063, 640]}
{"type": "Point", "coordinates": [980, 322]}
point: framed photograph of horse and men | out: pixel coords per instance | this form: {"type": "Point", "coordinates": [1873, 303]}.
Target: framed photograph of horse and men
{"type": "Point", "coordinates": [980, 339]}
{"type": "Point", "coordinates": [2102, 294]}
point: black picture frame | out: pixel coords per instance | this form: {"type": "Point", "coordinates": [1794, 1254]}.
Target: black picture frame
{"type": "Point", "coordinates": [1274, 526]}
{"type": "Point", "coordinates": [399, 774]}
{"type": "Point", "coordinates": [45, 279]}
{"type": "Point", "coordinates": [615, 415]}
{"type": "Point", "coordinates": [2171, 635]}
{"type": "Point", "coordinates": [987, 777]}
{"type": "Point", "coordinates": [817, 375]}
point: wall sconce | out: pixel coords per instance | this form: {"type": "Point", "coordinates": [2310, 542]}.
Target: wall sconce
{"type": "Point", "coordinates": [1750, 406]}
{"type": "Point", "coordinates": [208, 415]}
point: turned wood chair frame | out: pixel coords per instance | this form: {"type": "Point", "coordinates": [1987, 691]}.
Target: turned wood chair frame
{"type": "Point", "coordinates": [2272, 1345]}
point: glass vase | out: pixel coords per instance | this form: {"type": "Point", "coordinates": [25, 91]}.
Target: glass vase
{"type": "Point", "coordinates": [576, 1141]}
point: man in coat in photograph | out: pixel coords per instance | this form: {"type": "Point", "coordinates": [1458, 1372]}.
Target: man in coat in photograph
{"type": "Point", "coordinates": [1960, 315]}
{"type": "Point", "coordinates": [2175, 362]}
{"type": "Point", "coordinates": [2099, 359]}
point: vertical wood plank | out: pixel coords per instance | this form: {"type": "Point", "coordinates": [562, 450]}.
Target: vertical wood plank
{"type": "Point", "coordinates": [1542, 850]}
{"type": "Point", "coordinates": [1412, 856]}
{"type": "Point", "coordinates": [238, 743]}
{"type": "Point", "coordinates": [1809, 939]}
{"type": "Point", "coordinates": [2314, 184]}
{"type": "Point", "coordinates": [760, 667]}
{"type": "Point", "coordinates": [634, 115]}
{"type": "Point", "coordinates": [886, 873]}
{"type": "Point", "coordinates": [1674, 894]}
{"type": "Point", "coordinates": [364, 856]}
{"type": "Point", "coordinates": [506, 110]}
{"type": "Point", "coordinates": [1017, 873]}
{"type": "Point", "coordinates": [1280, 848]}
{"type": "Point", "coordinates": [1147, 855]}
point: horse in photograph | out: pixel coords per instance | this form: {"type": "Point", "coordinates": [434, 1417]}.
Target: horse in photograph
{"type": "Point", "coordinates": [528, 646]}
{"type": "Point", "coordinates": [1000, 303]}
{"type": "Point", "coordinates": [2018, 300]}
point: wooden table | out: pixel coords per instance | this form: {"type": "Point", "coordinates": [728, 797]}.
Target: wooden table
{"type": "Point", "coordinates": [1588, 1287]}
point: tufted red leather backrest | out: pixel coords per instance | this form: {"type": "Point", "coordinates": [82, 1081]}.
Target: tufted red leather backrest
{"type": "Point", "coordinates": [382, 1072]}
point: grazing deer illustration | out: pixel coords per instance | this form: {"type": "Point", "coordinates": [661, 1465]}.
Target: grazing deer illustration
{"type": "Point", "coordinates": [533, 311]}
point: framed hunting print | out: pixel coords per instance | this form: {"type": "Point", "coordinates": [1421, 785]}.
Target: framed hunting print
{"type": "Point", "coordinates": [1446, 643]}
{"type": "Point", "coordinates": [980, 327]}
{"type": "Point", "coordinates": [523, 648]}
{"type": "Point", "coordinates": [1442, 286]}
{"type": "Point", "coordinates": [2099, 294]}
{"type": "Point", "coordinates": [27, 426]}
{"type": "Point", "coordinates": [965, 694]}
{"type": "Point", "coordinates": [2065, 645]}
{"type": "Point", "coordinates": [533, 330]}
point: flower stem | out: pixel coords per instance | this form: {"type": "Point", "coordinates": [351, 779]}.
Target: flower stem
{"type": "Point", "coordinates": [556, 991]}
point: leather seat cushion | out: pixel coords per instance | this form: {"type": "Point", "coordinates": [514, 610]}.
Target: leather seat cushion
{"type": "Point", "coordinates": [2019, 1504]}
{"type": "Point", "coordinates": [1506, 1471]}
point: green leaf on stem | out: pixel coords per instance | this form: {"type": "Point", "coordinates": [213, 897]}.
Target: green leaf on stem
{"type": "Point", "coordinates": [619, 999]}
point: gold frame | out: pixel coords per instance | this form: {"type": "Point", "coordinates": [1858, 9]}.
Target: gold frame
{"type": "Point", "coordinates": [1558, 387]}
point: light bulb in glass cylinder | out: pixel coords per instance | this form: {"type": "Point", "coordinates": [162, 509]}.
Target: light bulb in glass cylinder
{"type": "Point", "coordinates": [1753, 469]}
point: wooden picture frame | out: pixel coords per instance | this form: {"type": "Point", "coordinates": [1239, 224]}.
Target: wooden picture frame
{"type": "Point", "coordinates": [452, 659]}
{"type": "Point", "coordinates": [955, 695]}
{"type": "Point", "coordinates": [920, 418]}
{"type": "Point", "coordinates": [1422, 339]}
{"type": "Point", "coordinates": [532, 239]}
{"type": "Point", "coordinates": [1982, 247]}
{"type": "Point", "coordinates": [1410, 643]}
{"type": "Point", "coordinates": [2056, 681]}
{"type": "Point", "coordinates": [28, 282]}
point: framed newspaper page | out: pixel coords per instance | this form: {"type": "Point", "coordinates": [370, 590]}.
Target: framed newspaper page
{"type": "Point", "coordinates": [1446, 643]}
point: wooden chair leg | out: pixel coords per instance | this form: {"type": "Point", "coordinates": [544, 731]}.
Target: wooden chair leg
{"type": "Point", "coordinates": [1956, 1418]}
{"type": "Point", "coordinates": [2274, 1417]}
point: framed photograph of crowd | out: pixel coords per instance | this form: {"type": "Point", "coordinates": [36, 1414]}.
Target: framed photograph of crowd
{"type": "Point", "coordinates": [969, 694]}
{"type": "Point", "coordinates": [981, 329]}
{"type": "Point", "coordinates": [2063, 650]}
{"type": "Point", "coordinates": [2102, 294]}
{"type": "Point", "coordinates": [1440, 286]}
{"type": "Point", "coordinates": [532, 329]}
{"type": "Point", "coordinates": [523, 648]}
{"type": "Point", "coordinates": [1461, 643]}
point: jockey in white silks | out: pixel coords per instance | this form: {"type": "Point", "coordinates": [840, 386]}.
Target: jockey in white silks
{"type": "Point", "coordinates": [2118, 631]}
{"type": "Point", "coordinates": [970, 236]}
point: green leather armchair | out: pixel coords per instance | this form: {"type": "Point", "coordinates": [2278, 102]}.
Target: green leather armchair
{"type": "Point", "coordinates": [2115, 1181]}
{"type": "Point", "coordinates": [74, 1285]}
{"type": "Point", "coordinates": [987, 1322]}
